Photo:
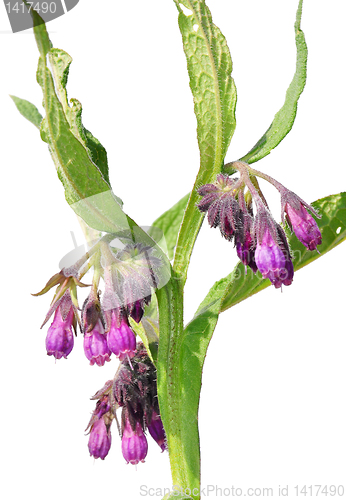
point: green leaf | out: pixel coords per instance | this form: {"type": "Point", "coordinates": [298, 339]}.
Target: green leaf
{"type": "Point", "coordinates": [86, 189]}
{"type": "Point", "coordinates": [333, 229]}
{"type": "Point", "coordinates": [184, 463]}
{"type": "Point", "coordinates": [193, 348]}
{"type": "Point", "coordinates": [209, 65]}
{"type": "Point", "coordinates": [169, 222]}
{"type": "Point", "coordinates": [147, 330]}
{"type": "Point", "coordinates": [60, 63]}
{"type": "Point", "coordinates": [42, 39]}
{"type": "Point", "coordinates": [28, 110]}
{"type": "Point", "coordinates": [284, 118]}
{"type": "Point", "coordinates": [97, 153]}
{"type": "Point", "coordinates": [86, 186]}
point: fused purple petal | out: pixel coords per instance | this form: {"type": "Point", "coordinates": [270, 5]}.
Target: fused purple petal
{"type": "Point", "coordinates": [273, 261]}
{"type": "Point", "coordinates": [99, 440]}
{"type": "Point", "coordinates": [157, 431]}
{"type": "Point", "coordinates": [59, 340]}
{"type": "Point", "coordinates": [95, 345]}
{"type": "Point", "coordinates": [304, 226]}
{"type": "Point", "coordinates": [137, 310]}
{"type": "Point", "coordinates": [246, 251]}
{"type": "Point", "coordinates": [121, 339]}
{"type": "Point", "coordinates": [134, 444]}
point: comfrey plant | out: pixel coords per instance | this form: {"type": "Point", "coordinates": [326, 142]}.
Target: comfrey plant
{"type": "Point", "coordinates": [133, 308]}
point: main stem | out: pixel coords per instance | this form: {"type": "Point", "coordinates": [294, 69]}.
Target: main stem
{"type": "Point", "coordinates": [170, 385]}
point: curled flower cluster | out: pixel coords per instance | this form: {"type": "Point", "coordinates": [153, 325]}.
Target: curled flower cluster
{"type": "Point", "coordinates": [129, 276]}
{"type": "Point", "coordinates": [134, 391]}
{"type": "Point", "coordinates": [261, 242]}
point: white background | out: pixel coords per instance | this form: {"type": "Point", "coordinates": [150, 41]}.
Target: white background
{"type": "Point", "coordinates": [273, 403]}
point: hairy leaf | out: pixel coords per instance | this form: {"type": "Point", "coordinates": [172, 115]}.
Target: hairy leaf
{"type": "Point", "coordinates": [169, 222]}
{"type": "Point", "coordinates": [209, 65]}
{"type": "Point", "coordinates": [284, 118]}
{"type": "Point", "coordinates": [86, 188]}
{"type": "Point", "coordinates": [60, 63]}
{"type": "Point", "coordinates": [73, 149]}
{"type": "Point", "coordinates": [28, 110]}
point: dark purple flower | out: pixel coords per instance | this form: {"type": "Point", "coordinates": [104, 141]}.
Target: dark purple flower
{"type": "Point", "coordinates": [246, 251]}
{"type": "Point", "coordinates": [157, 431]}
{"type": "Point", "coordinates": [59, 340]}
{"type": "Point", "coordinates": [136, 310]}
{"type": "Point", "coordinates": [91, 312]}
{"type": "Point", "coordinates": [95, 345]}
{"type": "Point", "coordinates": [303, 225]}
{"type": "Point", "coordinates": [244, 239]}
{"type": "Point", "coordinates": [121, 339]}
{"type": "Point", "coordinates": [134, 444]}
{"type": "Point", "coordinates": [272, 256]}
{"type": "Point", "coordinates": [99, 439]}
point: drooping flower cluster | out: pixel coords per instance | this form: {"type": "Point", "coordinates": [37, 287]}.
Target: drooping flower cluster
{"type": "Point", "coordinates": [261, 243]}
{"type": "Point", "coordinates": [129, 276]}
{"type": "Point", "coordinates": [134, 391]}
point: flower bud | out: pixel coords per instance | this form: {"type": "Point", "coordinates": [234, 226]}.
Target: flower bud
{"type": "Point", "coordinates": [121, 339]}
{"type": "Point", "coordinates": [95, 345]}
{"type": "Point", "coordinates": [304, 226]}
{"type": "Point", "coordinates": [134, 444]}
{"type": "Point", "coordinates": [223, 209]}
{"type": "Point", "coordinates": [99, 439]}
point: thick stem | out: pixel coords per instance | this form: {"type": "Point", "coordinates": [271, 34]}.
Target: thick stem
{"type": "Point", "coordinates": [183, 450]}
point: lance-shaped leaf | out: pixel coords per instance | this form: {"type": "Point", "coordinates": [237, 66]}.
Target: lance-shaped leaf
{"type": "Point", "coordinates": [86, 186]}
{"type": "Point", "coordinates": [284, 118]}
{"type": "Point", "coordinates": [209, 65]}
{"type": "Point", "coordinates": [28, 110]}
{"type": "Point", "coordinates": [60, 63]}
{"type": "Point", "coordinates": [75, 151]}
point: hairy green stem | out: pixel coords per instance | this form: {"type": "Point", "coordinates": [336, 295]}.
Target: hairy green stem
{"type": "Point", "coordinates": [171, 387]}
